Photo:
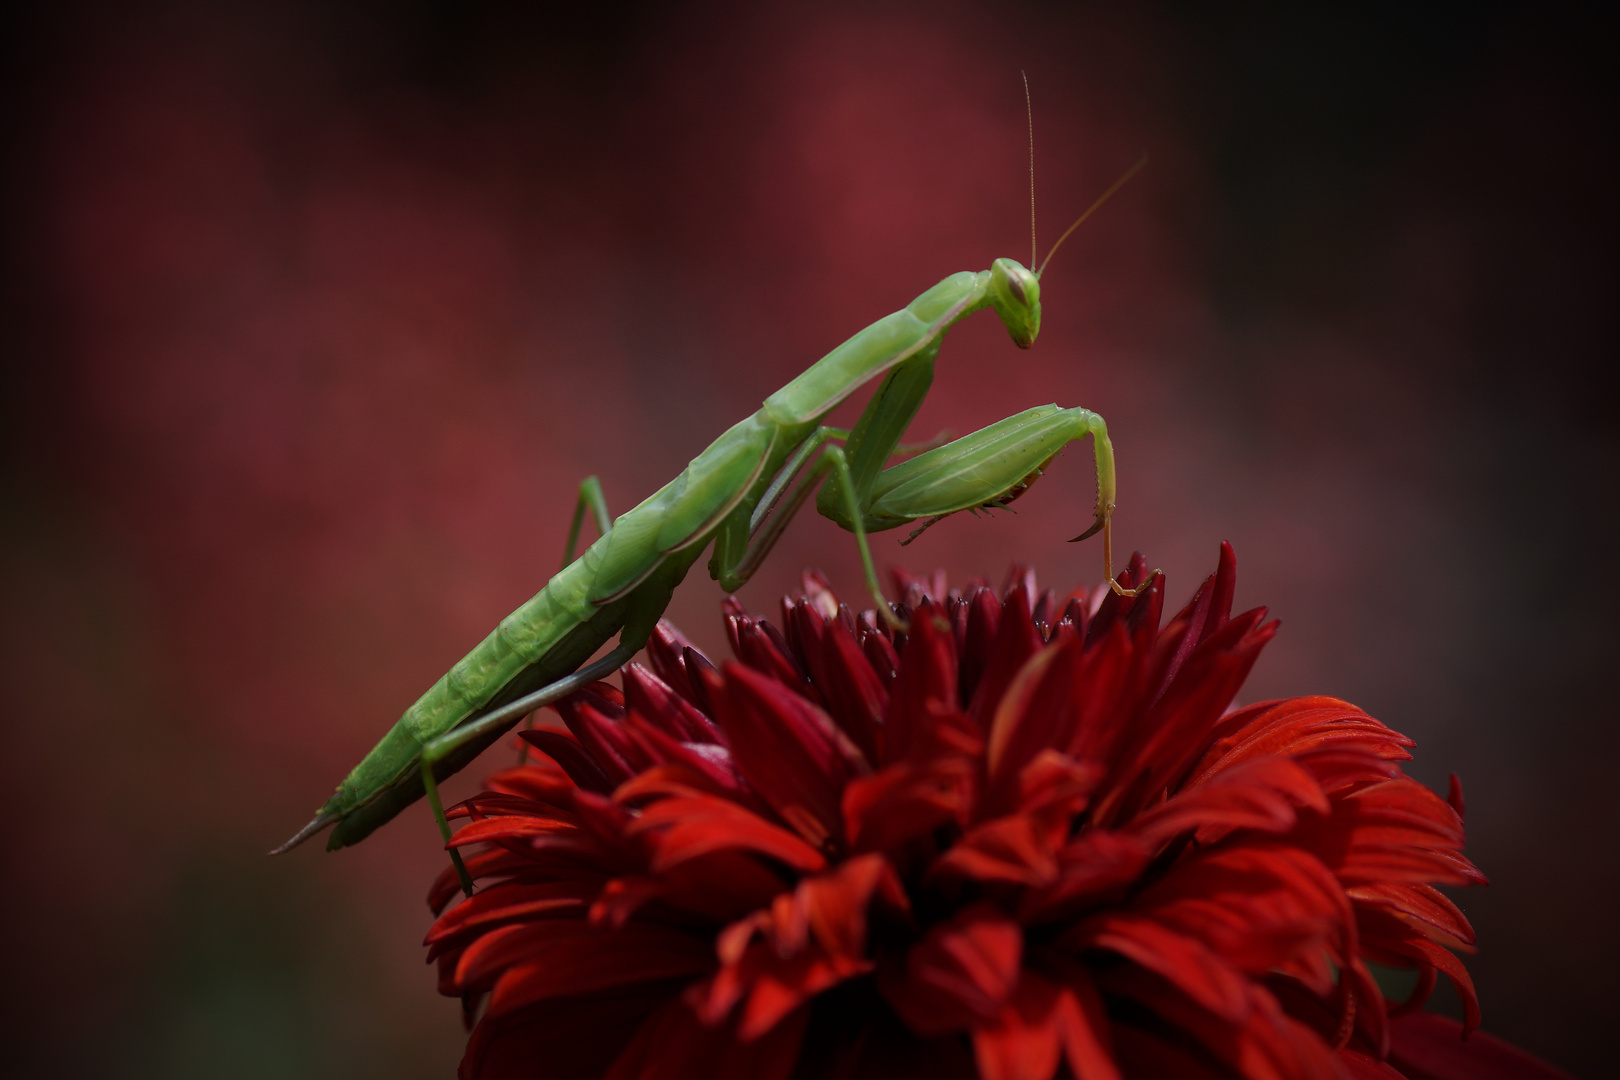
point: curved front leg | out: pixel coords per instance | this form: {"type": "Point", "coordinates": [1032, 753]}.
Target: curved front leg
{"type": "Point", "coordinates": [987, 469]}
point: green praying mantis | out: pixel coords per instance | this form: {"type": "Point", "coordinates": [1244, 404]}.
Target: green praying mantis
{"type": "Point", "coordinates": [739, 494]}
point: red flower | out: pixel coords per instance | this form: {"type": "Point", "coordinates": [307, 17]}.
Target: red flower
{"type": "Point", "coordinates": [1029, 834]}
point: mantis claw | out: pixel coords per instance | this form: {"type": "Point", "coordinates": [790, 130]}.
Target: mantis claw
{"type": "Point", "coordinates": [1105, 513]}
{"type": "Point", "coordinates": [1102, 519]}
{"type": "Point", "coordinates": [1120, 590]}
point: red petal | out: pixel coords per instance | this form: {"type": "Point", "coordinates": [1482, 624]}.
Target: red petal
{"type": "Point", "coordinates": [1109, 692]}
{"type": "Point", "coordinates": [698, 672]}
{"type": "Point", "coordinates": [1268, 1045]}
{"type": "Point", "coordinates": [561, 957]}
{"type": "Point", "coordinates": [1421, 903]}
{"type": "Point", "coordinates": [577, 1039]}
{"type": "Point", "coordinates": [927, 676]}
{"type": "Point", "coordinates": [603, 738]}
{"type": "Point", "coordinates": [539, 781]}
{"type": "Point", "coordinates": [1037, 711]}
{"type": "Point", "coordinates": [510, 901]}
{"type": "Point", "coordinates": [959, 974]}
{"type": "Point", "coordinates": [1294, 727]}
{"type": "Point", "coordinates": [1258, 794]}
{"type": "Point", "coordinates": [710, 760]}
{"type": "Point", "coordinates": [674, 1045]}
{"type": "Point", "coordinates": [1181, 960]}
{"type": "Point", "coordinates": [836, 904]}
{"type": "Point", "coordinates": [1012, 849]}
{"type": "Point", "coordinates": [801, 944]}
{"type": "Point", "coordinates": [1255, 906]}
{"type": "Point", "coordinates": [1359, 1066]}
{"type": "Point", "coordinates": [1086, 1031]}
{"type": "Point", "coordinates": [480, 864]}
{"type": "Point", "coordinates": [1095, 867]}
{"type": "Point", "coordinates": [1022, 1042]}
{"type": "Point", "coordinates": [1015, 642]}
{"type": "Point", "coordinates": [716, 888]}
{"type": "Point", "coordinates": [1425, 1046]}
{"type": "Point", "coordinates": [1053, 783]}
{"type": "Point", "coordinates": [510, 828]}
{"type": "Point", "coordinates": [1172, 734]}
{"type": "Point", "coordinates": [1147, 1055]}
{"type": "Point", "coordinates": [573, 758]}
{"type": "Point", "coordinates": [907, 800]}
{"type": "Point", "coordinates": [788, 750]}
{"type": "Point", "coordinates": [1395, 830]}
{"type": "Point", "coordinates": [693, 826]}
{"type": "Point", "coordinates": [666, 652]}
{"type": "Point", "coordinates": [983, 615]}
{"type": "Point", "coordinates": [1385, 934]}
{"type": "Point", "coordinates": [879, 652]}
{"type": "Point", "coordinates": [764, 653]}
{"type": "Point", "coordinates": [649, 695]}
{"type": "Point", "coordinates": [856, 695]}
{"type": "Point", "coordinates": [1139, 614]}
{"type": "Point", "coordinates": [1208, 611]}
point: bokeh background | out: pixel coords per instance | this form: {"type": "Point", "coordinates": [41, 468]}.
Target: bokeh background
{"type": "Point", "coordinates": [316, 313]}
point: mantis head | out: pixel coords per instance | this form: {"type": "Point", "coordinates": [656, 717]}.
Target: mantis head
{"type": "Point", "coordinates": [1015, 292]}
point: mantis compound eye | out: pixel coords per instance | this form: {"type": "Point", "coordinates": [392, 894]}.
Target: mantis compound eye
{"type": "Point", "coordinates": [1016, 294]}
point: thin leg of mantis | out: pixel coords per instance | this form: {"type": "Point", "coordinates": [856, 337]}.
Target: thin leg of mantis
{"type": "Point", "coordinates": [590, 494]}
{"type": "Point", "coordinates": [440, 748]}
{"type": "Point", "coordinates": [765, 535]}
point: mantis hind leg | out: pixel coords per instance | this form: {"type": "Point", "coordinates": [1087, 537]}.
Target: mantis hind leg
{"type": "Point", "coordinates": [436, 750]}
{"type": "Point", "coordinates": [988, 469]}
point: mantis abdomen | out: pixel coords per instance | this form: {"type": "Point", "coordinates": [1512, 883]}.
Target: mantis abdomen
{"type": "Point", "coordinates": [622, 582]}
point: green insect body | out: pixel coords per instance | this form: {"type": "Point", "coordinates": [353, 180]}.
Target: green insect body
{"type": "Point", "coordinates": [737, 494]}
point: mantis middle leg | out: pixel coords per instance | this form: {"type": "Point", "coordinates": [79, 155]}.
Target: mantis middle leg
{"type": "Point", "coordinates": [590, 496]}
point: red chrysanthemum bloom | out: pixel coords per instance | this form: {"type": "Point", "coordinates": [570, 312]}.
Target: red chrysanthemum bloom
{"type": "Point", "coordinates": [1029, 835]}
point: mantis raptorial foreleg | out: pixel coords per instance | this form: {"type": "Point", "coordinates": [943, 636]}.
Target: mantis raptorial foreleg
{"type": "Point", "coordinates": [989, 469]}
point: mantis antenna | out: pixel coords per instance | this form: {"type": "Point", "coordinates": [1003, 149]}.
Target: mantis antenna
{"type": "Point", "coordinates": [1029, 109]}
{"type": "Point", "coordinates": [1132, 171]}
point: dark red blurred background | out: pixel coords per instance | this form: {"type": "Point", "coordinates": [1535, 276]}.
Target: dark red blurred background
{"type": "Point", "coordinates": [315, 314]}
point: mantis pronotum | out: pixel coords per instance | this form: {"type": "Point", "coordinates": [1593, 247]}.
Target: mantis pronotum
{"type": "Point", "coordinates": [739, 493]}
